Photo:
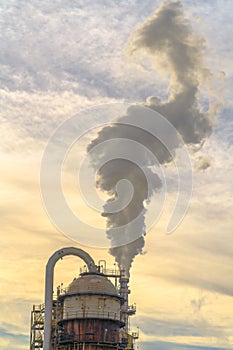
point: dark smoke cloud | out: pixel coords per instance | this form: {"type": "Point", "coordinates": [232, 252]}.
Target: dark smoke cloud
{"type": "Point", "coordinates": [168, 39]}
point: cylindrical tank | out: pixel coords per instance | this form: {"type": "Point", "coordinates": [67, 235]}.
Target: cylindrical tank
{"type": "Point", "coordinates": [89, 315]}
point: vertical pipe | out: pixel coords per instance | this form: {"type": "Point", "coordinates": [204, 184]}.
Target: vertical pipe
{"type": "Point", "coordinates": [49, 286]}
{"type": "Point", "coordinates": [124, 292]}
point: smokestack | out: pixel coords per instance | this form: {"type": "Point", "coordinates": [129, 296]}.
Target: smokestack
{"type": "Point", "coordinates": [124, 292]}
{"type": "Point", "coordinates": [167, 38]}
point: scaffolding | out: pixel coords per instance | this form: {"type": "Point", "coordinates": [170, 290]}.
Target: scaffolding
{"type": "Point", "coordinates": [37, 327]}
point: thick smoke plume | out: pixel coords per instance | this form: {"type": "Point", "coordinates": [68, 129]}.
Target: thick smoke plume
{"type": "Point", "coordinates": [168, 39]}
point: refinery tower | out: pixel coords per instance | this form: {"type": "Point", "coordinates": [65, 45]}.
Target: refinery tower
{"type": "Point", "coordinates": [92, 313]}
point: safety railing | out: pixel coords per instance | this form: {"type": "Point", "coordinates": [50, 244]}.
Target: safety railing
{"type": "Point", "coordinates": [66, 315]}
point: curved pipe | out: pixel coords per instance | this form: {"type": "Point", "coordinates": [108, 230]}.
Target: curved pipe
{"type": "Point", "coordinates": [49, 285]}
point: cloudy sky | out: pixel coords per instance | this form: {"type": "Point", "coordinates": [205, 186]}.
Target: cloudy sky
{"type": "Point", "coordinates": [59, 58]}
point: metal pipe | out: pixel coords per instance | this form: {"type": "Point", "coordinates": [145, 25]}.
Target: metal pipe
{"type": "Point", "coordinates": [124, 293]}
{"type": "Point", "coordinates": [49, 285]}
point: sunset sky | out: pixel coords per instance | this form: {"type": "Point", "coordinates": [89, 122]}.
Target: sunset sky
{"type": "Point", "coordinates": [59, 58]}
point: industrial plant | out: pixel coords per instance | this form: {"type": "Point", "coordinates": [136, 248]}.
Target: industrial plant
{"type": "Point", "coordinates": [92, 313]}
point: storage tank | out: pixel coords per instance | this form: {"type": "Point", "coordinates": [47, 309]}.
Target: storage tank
{"type": "Point", "coordinates": [90, 314]}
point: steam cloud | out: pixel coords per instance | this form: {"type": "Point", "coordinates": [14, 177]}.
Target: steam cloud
{"type": "Point", "coordinates": [168, 39]}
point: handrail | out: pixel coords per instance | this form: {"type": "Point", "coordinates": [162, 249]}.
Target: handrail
{"type": "Point", "coordinates": [89, 314]}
